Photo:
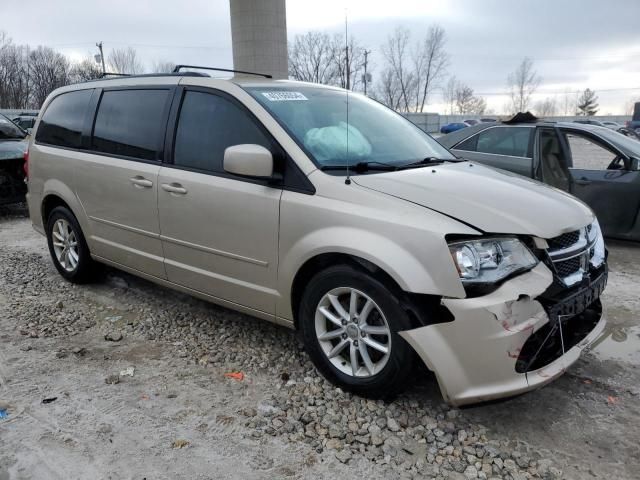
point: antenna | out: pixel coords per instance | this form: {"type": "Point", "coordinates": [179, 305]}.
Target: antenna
{"type": "Point", "coordinates": [346, 69]}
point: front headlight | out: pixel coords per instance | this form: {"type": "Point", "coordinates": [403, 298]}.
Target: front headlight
{"type": "Point", "coordinates": [594, 235]}
{"type": "Point", "coordinates": [489, 260]}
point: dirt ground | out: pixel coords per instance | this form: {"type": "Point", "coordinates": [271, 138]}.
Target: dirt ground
{"type": "Point", "coordinates": [178, 416]}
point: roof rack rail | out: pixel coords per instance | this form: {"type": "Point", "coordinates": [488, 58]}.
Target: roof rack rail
{"type": "Point", "coordinates": [178, 67]}
{"type": "Point", "coordinates": [104, 74]}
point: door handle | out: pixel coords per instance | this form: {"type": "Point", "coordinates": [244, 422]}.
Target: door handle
{"type": "Point", "coordinates": [174, 188]}
{"type": "Point", "coordinates": [583, 181]}
{"type": "Point", "coordinates": [139, 181]}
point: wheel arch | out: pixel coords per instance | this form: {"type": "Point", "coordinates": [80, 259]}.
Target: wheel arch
{"type": "Point", "coordinates": [56, 193]}
{"type": "Point", "coordinates": [422, 309]}
{"type": "Point", "coordinates": [319, 262]}
{"type": "Point", "coordinates": [50, 202]}
{"type": "Point", "coordinates": [424, 272]}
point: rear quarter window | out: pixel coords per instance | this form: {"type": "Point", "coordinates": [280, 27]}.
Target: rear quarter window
{"type": "Point", "coordinates": [62, 122]}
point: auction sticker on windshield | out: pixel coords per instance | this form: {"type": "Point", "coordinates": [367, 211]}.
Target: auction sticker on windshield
{"type": "Point", "coordinates": [284, 96]}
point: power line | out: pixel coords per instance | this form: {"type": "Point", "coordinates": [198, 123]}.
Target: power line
{"type": "Point", "coordinates": [556, 92]}
{"type": "Point", "coordinates": [454, 55]}
{"type": "Point", "coordinates": [484, 57]}
{"type": "Point", "coordinates": [145, 45]}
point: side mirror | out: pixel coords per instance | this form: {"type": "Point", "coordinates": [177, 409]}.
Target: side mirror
{"type": "Point", "coordinates": [634, 165]}
{"type": "Point", "coordinates": [248, 160]}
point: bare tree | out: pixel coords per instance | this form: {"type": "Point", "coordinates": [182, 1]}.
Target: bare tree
{"type": "Point", "coordinates": [449, 94]}
{"type": "Point", "coordinates": [14, 74]}
{"type": "Point", "coordinates": [430, 63]}
{"type": "Point", "coordinates": [479, 106]}
{"type": "Point", "coordinates": [569, 102]}
{"type": "Point", "coordinates": [348, 62]}
{"type": "Point", "coordinates": [48, 70]}
{"type": "Point", "coordinates": [460, 98]}
{"type": "Point", "coordinates": [312, 58]}
{"type": "Point", "coordinates": [522, 82]}
{"type": "Point", "coordinates": [467, 102]}
{"type": "Point", "coordinates": [388, 90]}
{"type": "Point", "coordinates": [395, 52]}
{"type": "Point", "coordinates": [162, 66]}
{"type": "Point", "coordinates": [125, 61]}
{"type": "Point", "coordinates": [85, 70]}
{"type": "Point", "coordinates": [546, 107]}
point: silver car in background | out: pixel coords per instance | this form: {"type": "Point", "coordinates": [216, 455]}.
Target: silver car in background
{"type": "Point", "coordinates": [599, 166]}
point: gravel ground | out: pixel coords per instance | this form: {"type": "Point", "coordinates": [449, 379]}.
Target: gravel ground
{"type": "Point", "coordinates": [179, 416]}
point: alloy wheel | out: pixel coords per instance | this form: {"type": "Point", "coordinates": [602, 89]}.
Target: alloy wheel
{"type": "Point", "coordinates": [353, 332]}
{"type": "Point", "coordinates": [65, 245]}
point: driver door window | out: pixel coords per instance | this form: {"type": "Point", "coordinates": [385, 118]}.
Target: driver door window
{"type": "Point", "coordinates": [600, 179]}
{"type": "Point", "coordinates": [589, 155]}
{"type": "Point", "coordinates": [208, 124]}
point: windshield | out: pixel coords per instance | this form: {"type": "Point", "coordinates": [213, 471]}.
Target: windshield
{"type": "Point", "coordinates": [317, 120]}
{"type": "Point", "coordinates": [8, 129]}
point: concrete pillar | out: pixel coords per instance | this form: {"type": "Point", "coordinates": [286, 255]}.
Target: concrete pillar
{"type": "Point", "coordinates": [259, 36]}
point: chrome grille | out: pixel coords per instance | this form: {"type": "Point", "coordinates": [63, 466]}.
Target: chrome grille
{"type": "Point", "coordinates": [563, 241]}
{"type": "Point", "coordinates": [570, 254]}
{"type": "Point", "coordinates": [568, 267]}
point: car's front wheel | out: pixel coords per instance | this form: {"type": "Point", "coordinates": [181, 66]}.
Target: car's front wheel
{"type": "Point", "coordinates": [68, 248]}
{"type": "Point", "coordinates": [350, 322]}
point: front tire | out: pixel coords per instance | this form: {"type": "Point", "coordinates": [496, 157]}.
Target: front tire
{"type": "Point", "coordinates": [350, 322]}
{"type": "Point", "coordinates": [68, 248]}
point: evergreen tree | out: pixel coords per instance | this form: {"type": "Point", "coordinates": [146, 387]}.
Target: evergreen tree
{"type": "Point", "coordinates": [587, 105]}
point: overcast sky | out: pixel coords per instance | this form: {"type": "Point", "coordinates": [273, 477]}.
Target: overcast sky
{"type": "Point", "coordinates": [574, 43]}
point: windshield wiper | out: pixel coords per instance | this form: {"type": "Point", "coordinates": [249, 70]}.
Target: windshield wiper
{"type": "Point", "coordinates": [428, 161]}
{"type": "Point", "coordinates": [361, 167]}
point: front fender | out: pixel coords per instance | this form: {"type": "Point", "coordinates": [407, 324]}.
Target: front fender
{"type": "Point", "coordinates": [411, 273]}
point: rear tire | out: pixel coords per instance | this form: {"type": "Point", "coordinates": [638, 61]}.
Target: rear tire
{"type": "Point", "coordinates": [350, 322]}
{"type": "Point", "coordinates": [68, 247]}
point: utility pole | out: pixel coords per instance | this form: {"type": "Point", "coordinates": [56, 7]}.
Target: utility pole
{"type": "Point", "coordinates": [365, 78]}
{"type": "Point", "coordinates": [99, 45]}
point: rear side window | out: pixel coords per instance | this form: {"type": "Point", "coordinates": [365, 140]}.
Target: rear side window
{"type": "Point", "coordinates": [207, 125]}
{"type": "Point", "coordinates": [62, 122]}
{"type": "Point", "coordinates": [130, 123]}
{"type": "Point", "coordinates": [511, 141]}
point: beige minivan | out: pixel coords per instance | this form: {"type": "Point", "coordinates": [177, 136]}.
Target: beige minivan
{"type": "Point", "coordinates": [323, 211]}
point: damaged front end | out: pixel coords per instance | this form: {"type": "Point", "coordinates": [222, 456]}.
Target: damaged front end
{"type": "Point", "coordinates": [524, 333]}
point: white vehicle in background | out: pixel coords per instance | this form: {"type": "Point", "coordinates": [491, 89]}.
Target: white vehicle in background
{"type": "Point", "coordinates": [612, 125]}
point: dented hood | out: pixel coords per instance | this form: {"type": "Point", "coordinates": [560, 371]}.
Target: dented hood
{"type": "Point", "coordinates": [491, 200]}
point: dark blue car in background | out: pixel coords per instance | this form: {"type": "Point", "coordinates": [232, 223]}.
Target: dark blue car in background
{"type": "Point", "coordinates": [452, 127]}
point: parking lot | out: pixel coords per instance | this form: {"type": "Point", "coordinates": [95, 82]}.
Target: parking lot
{"type": "Point", "coordinates": [74, 411]}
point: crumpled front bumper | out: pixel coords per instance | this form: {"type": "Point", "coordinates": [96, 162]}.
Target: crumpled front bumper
{"type": "Point", "coordinates": [474, 356]}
